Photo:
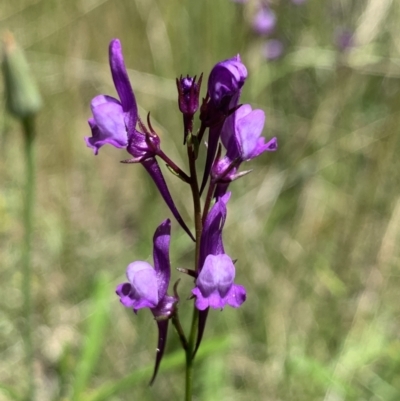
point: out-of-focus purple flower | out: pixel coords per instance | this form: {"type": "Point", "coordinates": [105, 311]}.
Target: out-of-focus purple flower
{"type": "Point", "coordinates": [147, 287]}
{"type": "Point", "coordinates": [240, 1]}
{"type": "Point", "coordinates": [241, 136]}
{"type": "Point", "coordinates": [114, 122]}
{"type": "Point", "coordinates": [272, 49]}
{"type": "Point", "coordinates": [224, 87]}
{"type": "Point", "coordinates": [264, 21]}
{"type": "Point", "coordinates": [188, 100]}
{"type": "Point", "coordinates": [344, 39]}
{"type": "Point", "coordinates": [298, 2]}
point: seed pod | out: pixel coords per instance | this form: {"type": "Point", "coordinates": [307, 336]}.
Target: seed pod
{"type": "Point", "coordinates": [22, 95]}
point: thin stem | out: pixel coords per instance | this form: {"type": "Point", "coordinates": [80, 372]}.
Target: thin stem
{"type": "Point", "coordinates": [194, 185]}
{"type": "Point", "coordinates": [209, 197]}
{"type": "Point", "coordinates": [29, 131]}
{"type": "Point", "coordinates": [174, 167]}
{"type": "Point", "coordinates": [190, 357]}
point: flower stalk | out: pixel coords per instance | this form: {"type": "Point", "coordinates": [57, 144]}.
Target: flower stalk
{"type": "Point", "coordinates": [238, 128]}
{"type": "Point", "coordinates": [28, 124]}
{"type": "Point", "coordinates": [23, 100]}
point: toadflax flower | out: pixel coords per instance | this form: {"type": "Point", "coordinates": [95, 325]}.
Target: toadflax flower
{"type": "Point", "coordinates": [215, 285]}
{"type": "Point", "coordinates": [147, 287]}
{"type": "Point", "coordinates": [224, 87]}
{"type": "Point", "coordinates": [241, 136]}
{"type": "Point", "coordinates": [115, 122]}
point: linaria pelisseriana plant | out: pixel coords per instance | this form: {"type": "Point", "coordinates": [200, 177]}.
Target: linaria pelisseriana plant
{"type": "Point", "coordinates": [234, 126]}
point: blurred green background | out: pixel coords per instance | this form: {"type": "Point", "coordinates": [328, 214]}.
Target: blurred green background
{"type": "Point", "coordinates": [315, 227]}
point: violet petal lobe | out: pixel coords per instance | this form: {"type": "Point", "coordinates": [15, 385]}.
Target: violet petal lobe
{"type": "Point", "coordinates": [143, 291]}
{"type": "Point", "coordinates": [214, 285]}
{"type": "Point", "coordinates": [154, 170]}
{"type": "Point", "coordinates": [107, 124]}
{"type": "Point", "coordinates": [122, 84]}
{"type": "Point", "coordinates": [249, 127]}
{"type": "Point", "coordinates": [162, 267]}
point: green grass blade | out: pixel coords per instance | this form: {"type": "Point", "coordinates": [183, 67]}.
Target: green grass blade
{"type": "Point", "coordinates": [96, 327]}
{"type": "Point", "coordinates": [171, 361]}
{"type": "Point", "coordinates": [10, 392]}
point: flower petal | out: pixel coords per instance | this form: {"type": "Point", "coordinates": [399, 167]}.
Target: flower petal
{"type": "Point", "coordinates": [211, 238]}
{"type": "Point", "coordinates": [162, 267]}
{"type": "Point", "coordinates": [123, 85]}
{"type": "Point", "coordinates": [214, 285]}
{"type": "Point", "coordinates": [249, 128]}
{"type": "Point", "coordinates": [143, 280]}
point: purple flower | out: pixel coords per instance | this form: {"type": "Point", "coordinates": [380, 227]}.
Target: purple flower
{"type": "Point", "coordinates": [114, 122]}
{"type": "Point", "coordinates": [273, 49]}
{"type": "Point", "coordinates": [264, 21]}
{"type": "Point", "coordinates": [224, 87]}
{"type": "Point", "coordinates": [215, 286]}
{"type": "Point", "coordinates": [241, 136]}
{"type": "Point", "coordinates": [147, 287]}
{"type": "Point", "coordinates": [225, 83]}
{"type": "Point", "coordinates": [298, 2]}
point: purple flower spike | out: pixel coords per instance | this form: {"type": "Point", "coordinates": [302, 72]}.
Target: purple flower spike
{"type": "Point", "coordinates": [147, 287]}
{"type": "Point", "coordinates": [114, 119]}
{"type": "Point", "coordinates": [264, 21]}
{"type": "Point", "coordinates": [214, 284]}
{"type": "Point", "coordinates": [224, 87]}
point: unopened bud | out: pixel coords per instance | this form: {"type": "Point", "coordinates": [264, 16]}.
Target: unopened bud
{"type": "Point", "coordinates": [22, 95]}
{"type": "Point", "coordinates": [188, 100]}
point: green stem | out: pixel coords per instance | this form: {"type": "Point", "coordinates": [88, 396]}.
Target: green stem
{"type": "Point", "coordinates": [194, 185]}
{"type": "Point", "coordinates": [28, 124]}
{"type": "Point", "coordinates": [209, 197]}
{"type": "Point", "coordinates": [189, 355]}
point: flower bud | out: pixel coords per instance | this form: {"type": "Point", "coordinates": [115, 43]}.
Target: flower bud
{"type": "Point", "coordinates": [22, 95]}
{"type": "Point", "coordinates": [188, 100]}
{"type": "Point", "coordinates": [188, 94]}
